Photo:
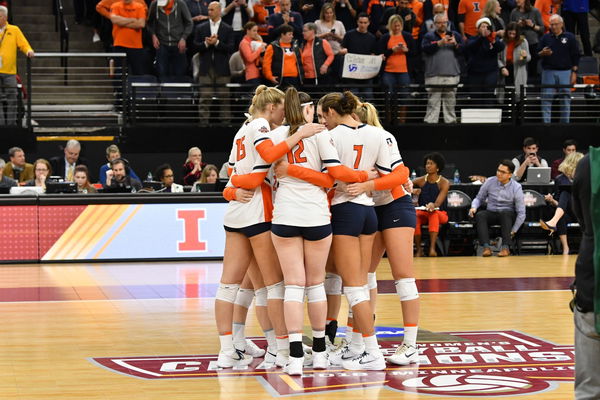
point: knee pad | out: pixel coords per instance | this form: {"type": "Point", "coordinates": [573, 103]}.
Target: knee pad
{"type": "Point", "coordinates": [406, 289]}
{"type": "Point", "coordinates": [294, 293]}
{"type": "Point", "coordinates": [244, 297]}
{"type": "Point", "coordinates": [316, 293]}
{"type": "Point", "coordinates": [261, 297]}
{"type": "Point", "coordinates": [355, 295]}
{"type": "Point", "coordinates": [276, 291]}
{"type": "Point", "coordinates": [372, 280]}
{"type": "Point", "coordinates": [333, 284]}
{"type": "Point", "coordinates": [227, 292]}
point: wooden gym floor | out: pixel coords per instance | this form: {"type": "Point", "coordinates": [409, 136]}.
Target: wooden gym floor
{"type": "Point", "coordinates": [145, 331]}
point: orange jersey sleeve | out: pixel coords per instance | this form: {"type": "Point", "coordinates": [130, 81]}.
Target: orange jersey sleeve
{"type": "Point", "coordinates": [270, 152]}
{"type": "Point", "coordinates": [248, 181]}
{"type": "Point", "coordinates": [345, 174]}
{"type": "Point", "coordinates": [229, 193]}
{"type": "Point", "coordinates": [398, 177]}
{"type": "Point", "coordinates": [309, 175]}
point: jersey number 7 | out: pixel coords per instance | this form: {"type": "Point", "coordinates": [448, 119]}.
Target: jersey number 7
{"type": "Point", "coordinates": [358, 148]}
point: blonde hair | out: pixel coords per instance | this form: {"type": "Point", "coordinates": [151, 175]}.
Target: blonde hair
{"type": "Point", "coordinates": [206, 172]}
{"type": "Point", "coordinates": [567, 167]}
{"type": "Point", "coordinates": [187, 160]}
{"type": "Point", "coordinates": [263, 96]}
{"type": "Point", "coordinates": [393, 19]}
{"type": "Point", "coordinates": [324, 8]}
{"type": "Point", "coordinates": [367, 113]}
{"type": "Point", "coordinates": [489, 10]}
{"type": "Point", "coordinates": [343, 103]}
{"type": "Point", "coordinates": [293, 108]}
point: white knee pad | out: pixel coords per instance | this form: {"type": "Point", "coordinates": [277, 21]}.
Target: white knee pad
{"type": "Point", "coordinates": [276, 291]}
{"type": "Point", "coordinates": [372, 280]}
{"type": "Point", "coordinates": [355, 295]}
{"type": "Point", "coordinates": [406, 289]}
{"type": "Point", "coordinates": [333, 284]}
{"type": "Point", "coordinates": [294, 293]}
{"type": "Point", "coordinates": [261, 297]}
{"type": "Point", "coordinates": [227, 292]}
{"type": "Point", "coordinates": [316, 293]}
{"type": "Point", "coordinates": [244, 297]}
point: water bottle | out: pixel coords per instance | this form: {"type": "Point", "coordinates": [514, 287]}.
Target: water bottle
{"type": "Point", "coordinates": [456, 176]}
{"type": "Point", "coordinates": [149, 177]}
{"type": "Point", "coordinates": [413, 175]}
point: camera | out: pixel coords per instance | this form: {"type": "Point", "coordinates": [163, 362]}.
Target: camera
{"type": "Point", "coordinates": [449, 34]}
{"type": "Point", "coordinates": [333, 31]}
{"type": "Point", "coordinates": [532, 154]}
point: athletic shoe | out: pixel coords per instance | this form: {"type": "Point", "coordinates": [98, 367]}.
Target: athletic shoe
{"type": "Point", "coordinates": [332, 346]}
{"type": "Point", "coordinates": [282, 358]}
{"type": "Point", "coordinates": [404, 355]}
{"type": "Point", "coordinates": [365, 361]}
{"type": "Point", "coordinates": [308, 359]}
{"type": "Point", "coordinates": [337, 357]}
{"type": "Point", "coordinates": [320, 360]}
{"type": "Point", "coordinates": [294, 366]}
{"type": "Point", "coordinates": [228, 359]}
{"type": "Point", "coordinates": [306, 349]}
{"type": "Point", "coordinates": [253, 350]}
{"type": "Point", "coordinates": [270, 356]}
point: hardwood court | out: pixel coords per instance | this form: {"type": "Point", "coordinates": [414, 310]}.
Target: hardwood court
{"type": "Point", "coordinates": [57, 318]}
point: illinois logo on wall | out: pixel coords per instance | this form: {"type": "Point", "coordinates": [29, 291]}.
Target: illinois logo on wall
{"type": "Point", "coordinates": [484, 364]}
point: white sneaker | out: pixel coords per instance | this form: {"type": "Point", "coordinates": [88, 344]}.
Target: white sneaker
{"type": "Point", "coordinates": [308, 359]}
{"type": "Point", "coordinates": [294, 366]}
{"type": "Point", "coordinates": [270, 355]}
{"type": "Point", "coordinates": [282, 358]}
{"type": "Point", "coordinates": [320, 360]}
{"type": "Point", "coordinates": [365, 361]}
{"type": "Point", "coordinates": [341, 354]}
{"type": "Point", "coordinates": [404, 355]}
{"type": "Point", "coordinates": [253, 350]}
{"type": "Point", "coordinates": [306, 349]}
{"type": "Point", "coordinates": [228, 359]}
{"type": "Point", "coordinates": [332, 346]}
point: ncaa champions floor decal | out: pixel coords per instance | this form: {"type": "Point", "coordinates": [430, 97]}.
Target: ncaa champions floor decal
{"type": "Point", "coordinates": [484, 364]}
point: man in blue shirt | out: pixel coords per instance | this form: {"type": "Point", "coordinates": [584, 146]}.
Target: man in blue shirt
{"type": "Point", "coordinates": [559, 52]}
{"type": "Point", "coordinates": [505, 206]}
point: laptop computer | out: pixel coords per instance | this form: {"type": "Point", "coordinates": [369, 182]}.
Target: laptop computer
{"type": "Point", "coordinates": [27, 190]}
{"type": "Point", "coordinates": [61, 187]}
{"type": "Point", "coordinates": [538, 175]}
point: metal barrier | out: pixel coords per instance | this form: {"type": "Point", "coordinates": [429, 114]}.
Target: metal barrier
{"type": "Point", "coordinates": [95, 92]}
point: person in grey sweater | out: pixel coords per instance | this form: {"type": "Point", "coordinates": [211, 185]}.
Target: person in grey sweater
{"type": "Point", "coordinates": [170, 23]}
{"type": "Point", "coordinates": [513, 66]}
{"type": "Point", "coordinates": [441, 49]}
{"type": "Point", "coordinates": [5, 182]}
{"type": "Point", "coordinates": [532, 27]}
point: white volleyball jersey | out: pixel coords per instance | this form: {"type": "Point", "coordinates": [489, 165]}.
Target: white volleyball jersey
{"type": "Point", "coordinates": [361, 149]}
{"type": "Point", "coordinates": [382, 197]}
{"type": "Point", "coordinates": [297, 202]}
{"type": "Point", "coordinates": [247, 160]}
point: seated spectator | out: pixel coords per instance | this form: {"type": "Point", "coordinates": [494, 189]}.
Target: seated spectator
{"type": "Point", "coordinates": [112, 153]}
{"type": "Point", "coordinates": [547, 9]}
{"type": "Point", "coordinates": [569, 146]}
{"type": "Point", "coordinates": [192, 168]}
{"type": "Point", "coordinates": [164, 173]}
{"type": "Point", "coordinates": [529, 157]}
{"type": "Point", "coordinates": [251, 47]}
{"type": "Point", "coordinates": [492, 11]}
{"type": "Point", "coordinates": [396, 46]}
{"type": "Point", "coordinates": [332, 30]}
{"type": "Point", "coordinates": [263, 9]}
{"type": "Point", "coordinates": [118, 180]}
{"type": "Point", "coordinates": [514, 59]}
{"type": "Point", "coordinates": [288, 17]}
{"type": "Point", "coordinates": [482, 66]}
{"type": "Point", "coordinates": [82, 179]}
{"type": "Point", "coordinates": [282, 64]}
{"type": "Point", "coordinates": [42, 170]}
{"type": "Point", "coordinates": [170, 26]}
{"type": "Point", "coordinates": [442, 49]}
{"type": "Point", "coordinates": [404, 10]}
{"type": "Point", "coordinates": [433, 190]}
{"type": "Point", "coordinates": [559, 51]}
{"type": "Point", "coordinates": [17, 168]}
{"type": "Point", "coordinates": [562, 200]}
{"type": "Point", "coordinates": [210, 174]}
{"type": "Point", "coordinates": [64, 166]}
{"type": "Point", "coordinates": [317, 57]}
{"type": "Point", "coordinates": [505, 206]}
{"type": "Point", "coordinates": [5, 182]}
{"type": "Point", "coordinates": [237, 13]}
{"type": "Point", "coordinates": [532, 26]}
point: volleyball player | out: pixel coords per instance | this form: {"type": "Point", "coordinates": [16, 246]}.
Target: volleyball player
{"type": "Point", "coordinates": [354, 222]}
{"type": "Point", "coordinates": [396, 226]}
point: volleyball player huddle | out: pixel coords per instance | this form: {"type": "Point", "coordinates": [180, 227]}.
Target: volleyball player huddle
{"type": "Point", "coordinates": [312, 209]}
